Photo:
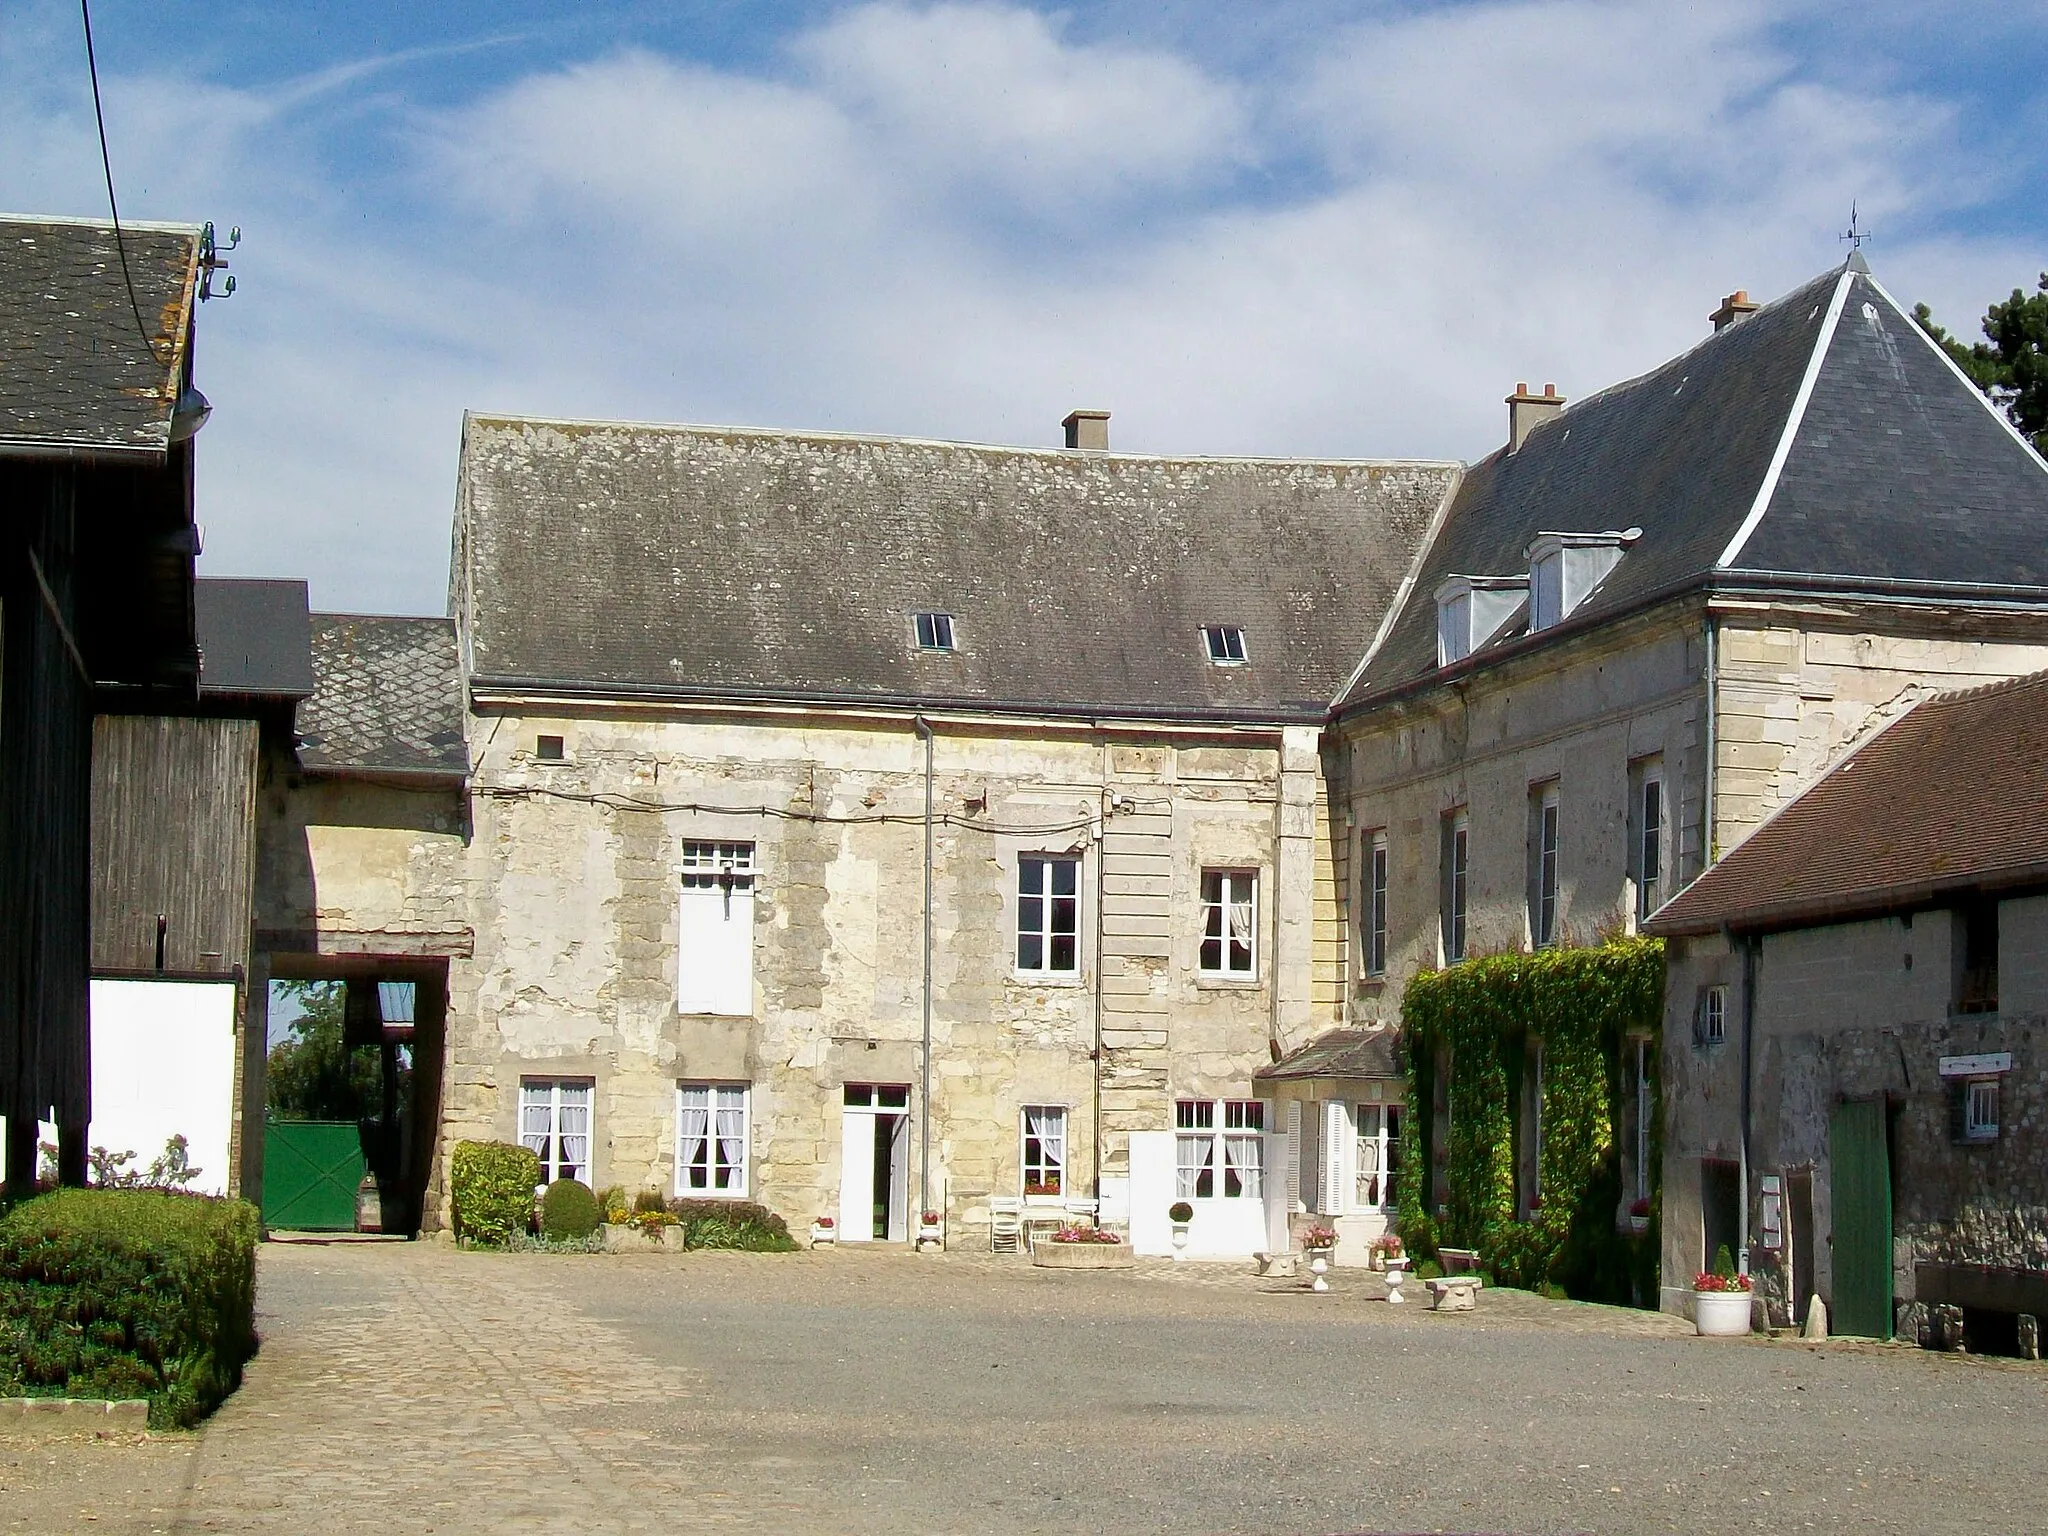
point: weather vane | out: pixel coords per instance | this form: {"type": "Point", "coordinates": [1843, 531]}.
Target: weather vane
{"type": "Point", "coordinates": [1852, 234]}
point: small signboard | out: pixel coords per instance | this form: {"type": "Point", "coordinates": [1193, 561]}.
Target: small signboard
{"type": "Point", "coordinates": [1990, 1064]}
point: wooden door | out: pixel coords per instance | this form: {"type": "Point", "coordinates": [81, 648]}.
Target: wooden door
{"type": "Point", "coordinates": [1861, 1196]}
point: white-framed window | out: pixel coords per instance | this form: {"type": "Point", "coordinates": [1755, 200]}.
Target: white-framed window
{"type": "Point", "coordinates": [1048, 914]}
{"type": "Point", "coordinates": [1230, 922]}
{"type": "Point", "coordinates": [715, 930]}
{"type": "Point", "coordinates": [1543, 865]}
{"type": "Point", "coordinates": [1980, 1109]}
{"type": "Point", "coordinates": [1546, 590]}
{"type": "Point", "coordinates": [1713, 1015]}
{"type": "Point", "coordinates": [1457, 834]}
{"type": "Point", "coordinates": [934, 631]}
{"type": "Point", "coordinates": [1219, 1149]}
{"type": "Point", "coordinates": [1044, 1128]}
{"type": "Point", "coordinates": [1224, 644]}
{"type": "Point", "coordinates": [554, 1121]}
{"type": "Point", "coordinates": [1374, 926]}
{"type": "Point", "coordinates": [1376, 1156]}
{"type": "Point", "coordinates": [1648, 834]}
{"type": "Point", "coordinates": [712, 1136]}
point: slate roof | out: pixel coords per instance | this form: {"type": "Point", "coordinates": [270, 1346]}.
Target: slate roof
{"type": "Point", "coordinates": [1896, 472]}
{"type": "Point", "coordinates": [74, 370]}
{"type": "Point", "coordinates": [255, 637]}
{"type": "Point", "coordinates": [1339, 1053]}
{"type": "Point", "coordinates": [716, 562]}
{"type": "Point", "coordinates": [388, 698]}
{"type": "Point", "coordinates": [1953, 795]}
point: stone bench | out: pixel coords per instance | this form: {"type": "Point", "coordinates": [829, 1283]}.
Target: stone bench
{"type": "Point", "coordinates": [1276, 1263]}
{"type": "Point", "coordinates": [1458, 1260]}
{"type": "Point", "coordinates": [1453, 1293]}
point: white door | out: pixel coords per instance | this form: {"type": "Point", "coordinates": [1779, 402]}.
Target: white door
{"type": "Point", "coordinates": [1279, 1201]}
{"type": "Point", "coordinates": [856, 1175]}
{"type": "Point", "coordinates": [897, 1128]}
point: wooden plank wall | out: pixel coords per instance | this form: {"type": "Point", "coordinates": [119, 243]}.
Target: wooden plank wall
{"type": "Point", "coordinates": [173, 834]}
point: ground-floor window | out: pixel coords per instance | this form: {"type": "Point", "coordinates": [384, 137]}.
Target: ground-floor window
{"type": "Point", "coordinates": [554, 1120]}
{"type": "Point", "coordinates": [1378, 1152]}
{"type": "Point", "coordinates": [1219, 1151]}
{"type": "Point", "coordinates": [711, 1139]}
{"type": "Point", "coordinates": [1045, 1151]}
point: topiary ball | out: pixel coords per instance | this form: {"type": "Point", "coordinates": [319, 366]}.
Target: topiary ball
{"type": "Point", "coordinates": [568, 1210]}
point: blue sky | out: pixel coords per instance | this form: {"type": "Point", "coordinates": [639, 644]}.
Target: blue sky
{"type": "Point", "coordinates": [1286, 228]}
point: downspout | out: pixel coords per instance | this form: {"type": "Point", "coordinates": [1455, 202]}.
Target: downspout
{"type": "Point", "coordinates": [1750, 947]}
{"type": "Point", "coordinates": [1707, 829]}
{"type": "Point", "coordinates": [1106, 805]}
{"type": "Point", "coordinates": [924, 1151]}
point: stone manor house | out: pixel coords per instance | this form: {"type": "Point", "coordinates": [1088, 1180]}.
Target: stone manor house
{"type": "Point", "coordinates": [867, 825]}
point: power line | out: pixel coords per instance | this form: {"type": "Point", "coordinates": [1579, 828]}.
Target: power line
{"type": "Point", "coordinates": [107, 165]}
{"type": "Point", "coordinates": [617, 802]}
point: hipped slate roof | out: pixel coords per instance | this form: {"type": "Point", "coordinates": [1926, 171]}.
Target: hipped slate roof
{"type": "Point", "coordinates": [1953, 795]}
{"type": "Point", "coordinates": [725, 563]}
{"type": "Point", "coordinates": [1895, 475]}
{"type": "Point", "coordinates": [1339, 1053]}
{"type": "Point", "coordinates": [255, 637]}
{"type": "Point", "coordinates": [75, 371]}
{"type": "Point", "coordinates": [388, 700]}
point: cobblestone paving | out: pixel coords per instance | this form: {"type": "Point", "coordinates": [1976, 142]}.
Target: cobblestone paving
{"type": "Point", "coordinates": [414, 1388]}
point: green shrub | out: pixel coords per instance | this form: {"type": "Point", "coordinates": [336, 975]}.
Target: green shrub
{"type": "Point", "coordinates": [126, 1294]}
{"type": "Point", "coordinates": [492, 1184]}
{"type": "Point", "coordinates": [613, 1198]}
{"type": "Point", "coordinates": [1724, 1262]}
{"type": "Point", "coordinates": [568, 1210]}
{"type": "Point", "coordinates": [732, 1224]}
{"type": "Point", "coordinates": [1429, 1269]}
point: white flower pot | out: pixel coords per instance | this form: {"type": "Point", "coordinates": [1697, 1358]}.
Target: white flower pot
{"type": "Point", "coordinates": [1180, 1241]}
{"type": "Point", "coordinates": [1319, 1266]}
{"type": "Point", "coordinates": [824, 1237]}
{"type": "Point", "coordinates": [1397, 1271]}
{"type": "Point", "coordinates": [1721, 1314]}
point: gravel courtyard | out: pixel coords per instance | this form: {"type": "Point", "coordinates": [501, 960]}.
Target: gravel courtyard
{"type": "Point", "coordinates": [414, 1388]}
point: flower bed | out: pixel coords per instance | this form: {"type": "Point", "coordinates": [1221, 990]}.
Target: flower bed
{"type": "Point", "coordinates": [1081, 1247]}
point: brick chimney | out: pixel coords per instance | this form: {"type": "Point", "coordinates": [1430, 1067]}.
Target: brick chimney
{"type": "Point", "coordinates": [1733, 308]}
{"type": "Point", "coordinates": [1087, 429]}
{"type": "Point", "coordinates": [1526, 412]}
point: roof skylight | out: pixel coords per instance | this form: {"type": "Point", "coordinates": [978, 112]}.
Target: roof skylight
{"type": "Point", "coordinates": [1225, 643]}
{"type": "Point", "coordinates": [934, 631]}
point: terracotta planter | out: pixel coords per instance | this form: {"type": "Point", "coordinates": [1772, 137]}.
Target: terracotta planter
{"type": "Point", "coordinates": [1721, 1314]}
{"type": "Point", "coordinates": [1051, 1255]}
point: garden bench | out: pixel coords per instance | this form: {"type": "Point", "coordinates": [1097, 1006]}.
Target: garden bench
{"type": "Point", "coordinates": [1453, 1293]}
{"type": "Point", "coordinates": [1458, 1260]}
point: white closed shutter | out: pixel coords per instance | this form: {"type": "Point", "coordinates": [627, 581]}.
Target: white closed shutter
{"type": "Point", "coordinates": [715, 930]}
{"type": "Point", "coordinates": [1294, 1154]}
{"type": "Point", "coordinates": [1336, 1138]}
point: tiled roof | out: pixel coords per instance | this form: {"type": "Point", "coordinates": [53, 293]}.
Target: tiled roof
{"type": "Point", "coordinates": [75, 372]}
{"type": "Point", "coordinates": [1898, 474]}
{"type": "Point", "coordinates": [1340, 1053]}
{"type": "Point", "coordinates": [713, 562]}
{"type": "Point", "coordinates": [388, 697]}
{"type": "Point", "coordinates": [1951, 796]}
{"type": "Point", "coordinates": [254, 637]}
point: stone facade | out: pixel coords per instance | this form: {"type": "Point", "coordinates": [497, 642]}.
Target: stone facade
{"type": "Point", "coordinates": [574, 873]}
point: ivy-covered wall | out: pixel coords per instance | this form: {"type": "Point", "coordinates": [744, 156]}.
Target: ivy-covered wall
{"type": "Point", "coordinates": [1458, 1185]}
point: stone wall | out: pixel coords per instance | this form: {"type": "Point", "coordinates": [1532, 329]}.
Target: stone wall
{"type": "Point", "coordinates": [574, 874]}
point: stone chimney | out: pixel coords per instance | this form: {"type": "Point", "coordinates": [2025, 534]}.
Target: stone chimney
{"type": "Point", "coordinates": [1087, 429]}
{"type": "Point", "coordinates": [1733, 308]}
{"type": "Point", "coordinates": [1526, 412]}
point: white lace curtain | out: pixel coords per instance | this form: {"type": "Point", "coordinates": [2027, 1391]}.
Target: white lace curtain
{"type": "Point", "coordinates": [693, 1124]}
{"type": "Point", "coordinates": [554, 1120]}
{"type": "Point", "coordinates": [732, 1136]}
{"type": "Point", "coordinates": [1245, 1162]}
{"type": "Point", "coordinates": [1241, 913]}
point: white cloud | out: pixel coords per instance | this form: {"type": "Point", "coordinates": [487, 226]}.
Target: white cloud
{"type": "Point", "coordinates": [961, 220]}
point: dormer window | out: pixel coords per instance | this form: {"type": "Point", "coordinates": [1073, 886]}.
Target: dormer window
{"type": "Point", "coordinates": [934, 631]}
{"type": "Point", "coordinates": [1472, 610]}
{"type": "Point", "coordinates": [1564, 568]}
{"type": "Point", "coordinates": [1225, 644]}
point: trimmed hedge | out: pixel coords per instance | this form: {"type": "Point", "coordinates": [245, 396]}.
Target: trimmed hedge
{"type": "Point", "coordinates": [732, 1224]}
{"type": "Point", "coordinates": [492, 1183]}
{"type": "Point", "coordinates": [568, 1210]}
{"type": "Point", "coordinates": [125, 1294]}
{"type": "Point", "coordinates": [1582, 1003]}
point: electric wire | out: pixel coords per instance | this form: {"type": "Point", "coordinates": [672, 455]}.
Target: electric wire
{"type": "Point", "coordinates": [619, 802]}
{"type": "Point", "coordinates": [113, 207]}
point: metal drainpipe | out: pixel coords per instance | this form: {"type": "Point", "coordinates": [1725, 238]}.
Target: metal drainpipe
{"type": "Point", "coordinates": [1105, 805]}
{"type": "Point", "coordinates": [1750, 946]}
{"type": "Point", "coordinates": [1707, 839]}
{"type": "Point", "coordinates": [924, 1152]}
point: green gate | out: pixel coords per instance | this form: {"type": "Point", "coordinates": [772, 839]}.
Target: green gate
{"type": "Point", "coordinates": [310, 1172]}
{"type": "Point", "coordinates": [1861, 1195]}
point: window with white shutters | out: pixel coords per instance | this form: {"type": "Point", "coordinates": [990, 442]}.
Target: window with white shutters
{"type": "Point", "coordinates": [554, 1121]}
{"type": "Point", "coordinates": [715, 930]}
{"type": "Point", "coordinates": [712, 1134]}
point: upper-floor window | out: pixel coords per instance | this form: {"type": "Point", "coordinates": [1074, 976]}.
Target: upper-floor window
{"type": "Point", "coordinates": [1373, 926]}
{"type": "Point", "coordinates": [1711, 1015]}
{"type": "Point", "coordinates": [1453, 628]}
{"type": "Point", "coordinates": [1975, 950]}
{"type": "Point", "coordinates": [1543, 864]}
{"type": "Point", "coordinates": [1471, 610]}
{"type": "Point", "coordinates": [1648, 835]}
{"type": "Point", "coordinates": [1230, 922]}
{"type": "Point", "coordinates": [1224, 643]}
{"type": "Point", "coordinates": [554, 1120]}
{"type": "Point", "coordinates": [1048, 913]}
{"type": "Point", "coordinates": [1456, 836]}
{"type": "Point", "coordinates": [715, 930]}
{"type": "Point", "coordinates": [1564, 568]}
{"type": "Point", "coordinates": [934, 631]}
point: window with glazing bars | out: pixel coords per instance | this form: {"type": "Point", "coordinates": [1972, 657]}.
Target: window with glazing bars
{"type": "Point", "coordinates": [1225, 644]}
{"type": "Point", "coordinates": [711, 1139]}
{"type": "Point", "coordinates": [1230, 913]}
{"type": "Point", "coordinates": [554, 1121]}
{"type": "Point", "coordinates": [1048, 914]}
{"type": "Point", "coordinates": [1219, 1164]}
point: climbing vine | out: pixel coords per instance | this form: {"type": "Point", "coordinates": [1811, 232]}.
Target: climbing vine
{"type": "Point", "coordinates": [1475, 1023]}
